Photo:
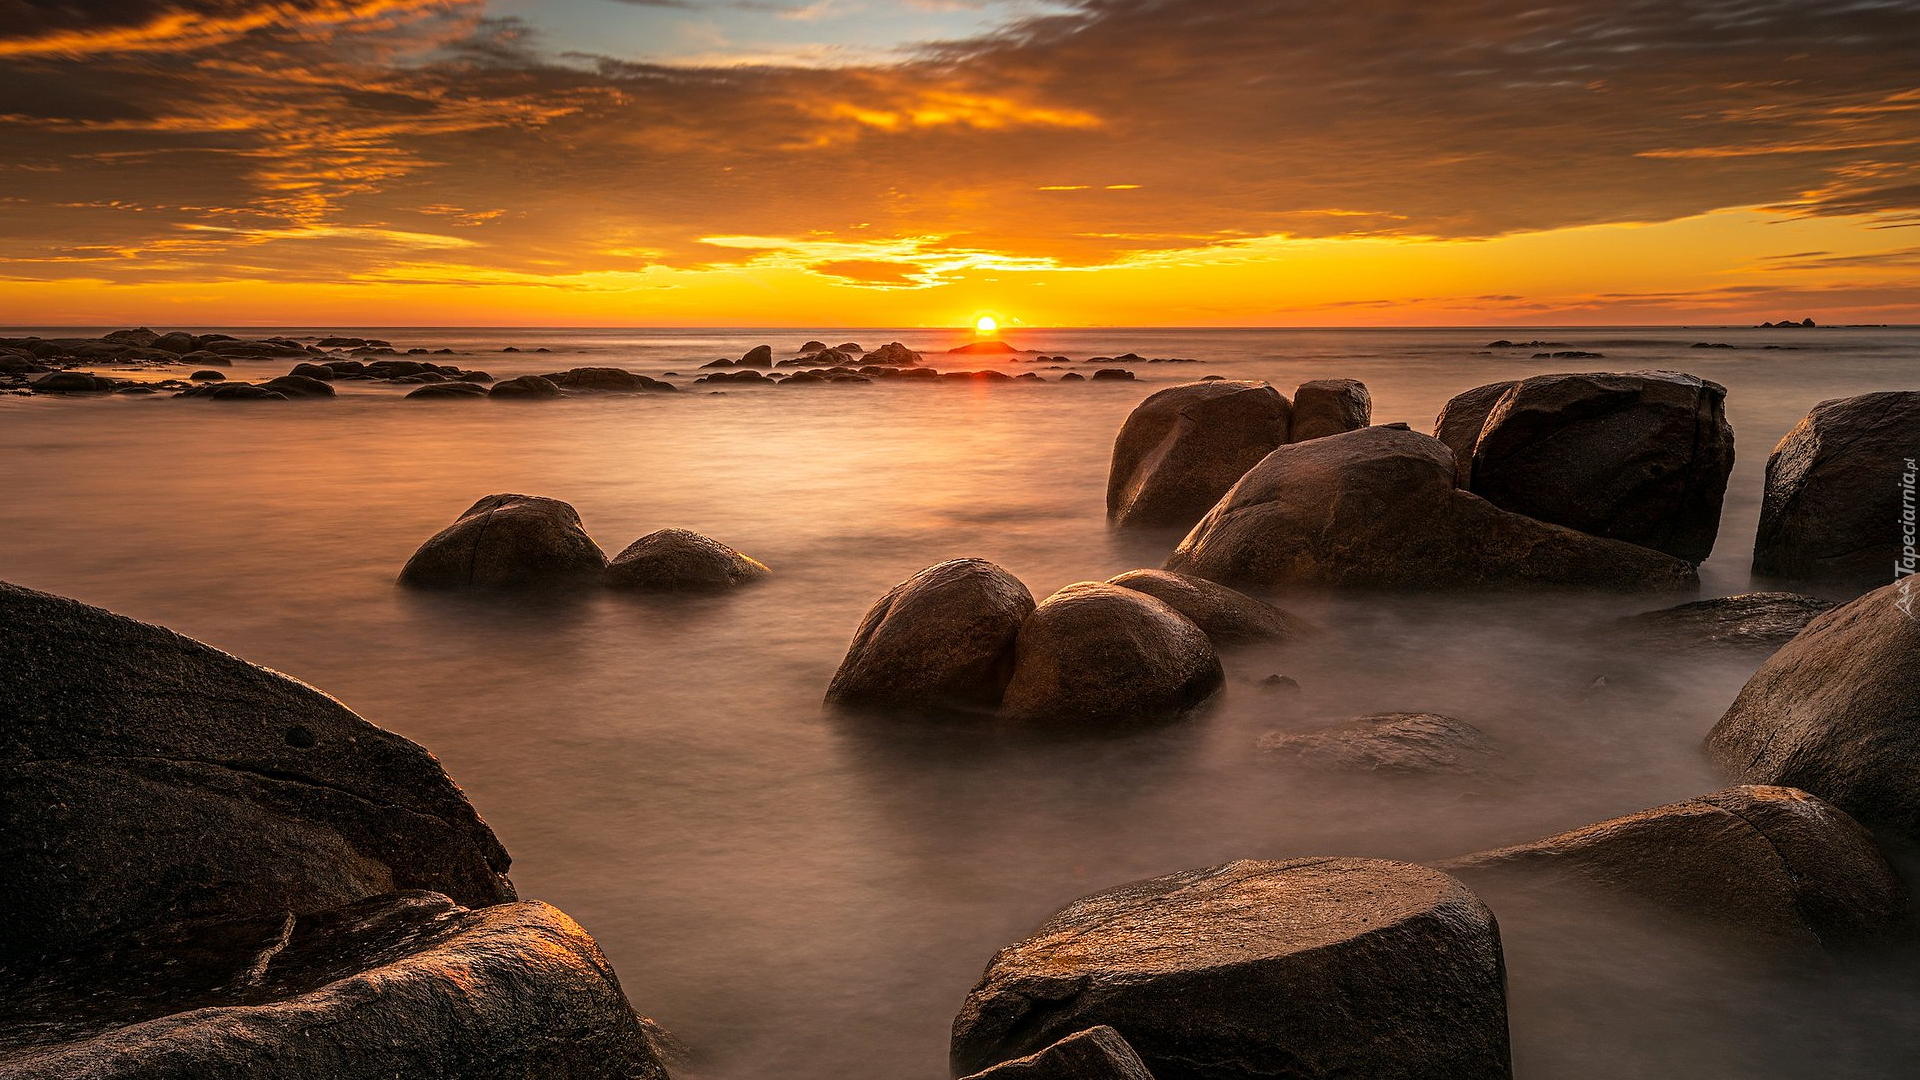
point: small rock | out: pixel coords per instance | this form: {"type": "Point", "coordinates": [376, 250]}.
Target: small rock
{"type": "Point", "coordinates": [678, 559]}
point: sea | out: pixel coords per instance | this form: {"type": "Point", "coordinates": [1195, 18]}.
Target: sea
{"type": "Point", "coordinates": [801, 895]}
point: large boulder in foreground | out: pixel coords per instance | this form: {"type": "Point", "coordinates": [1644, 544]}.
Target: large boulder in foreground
{"type": "Point", "coordinates": [1098, 1053]}
{"type": "Point", "coordinates": [1384, 743]}
{"type": "Point", "coordinates": [680, 560]}
{"type": "Point", "coordinates": [1378, 507]}
{"type": "Point", "coordinates": [1836, 712]}
{"type": "Point", "coordinates": [1302, 968]}
{"type": "Point", "coordinates": [506, 541]}
{"type": "Point", "coordinates": [1833, 507]}
{"type": "Point", "coordinates": [1100, 654]}
{"type": "Point", "coordinates": [409, 985]}
{"type": "Point", "coordinates": [1760, 620]}
{"type": "Point", "coordinates": [1325, 407]}
{"type": "Point", "coordinates": [943, 639]}
{"type": "Point", "coordinates": [1182, 448]}
{"type": "Point", "coordinates": [145, 777]}
{"type": "Point", "coordinates": [1641, 457]}
{"type": "Point", "coordinates": [1226, 615]}
{"type": "Point", "coordinates": [1771, 862]}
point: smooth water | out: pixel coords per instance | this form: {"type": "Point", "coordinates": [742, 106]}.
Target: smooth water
{"type": "Point", "coordinates": [809, 897]}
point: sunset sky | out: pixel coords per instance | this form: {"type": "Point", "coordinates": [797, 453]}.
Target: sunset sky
{"type": "Point", "coordinates": [851, 163]}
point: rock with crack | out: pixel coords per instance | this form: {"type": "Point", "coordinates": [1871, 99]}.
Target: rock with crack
{"type": "Point", "coordinates": [508, 541]}
{"type": "Point", "coordinates": [146, 777]}
{"type": "Point", "coordinates": [1098, 1053]}
{"type": "Point", "coordinates": [1302, 968]}
{"type": "Point", "coordinates": [407, 985]}
{"type": "Point", "coordinates": [1182, 448]}
{"type": "Point", "coordinates": [1228, 616]}
{"type": "Point", "coordinates": [1771, 863]}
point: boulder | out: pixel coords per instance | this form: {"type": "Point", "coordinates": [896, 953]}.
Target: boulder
{"type": "Point", "coordinates": [1761, 620]}
{"type": "Point", "coordinates": [1225, 615]}
{"type": "Point", "coordinates": [1838, 505]}
{"type": "Point", "coordinates": [677, 559]}
{"type": "Point", "coordinates": [1378, 508]}
{"type": "Point", "coordinates": [1325, 407]}
{"type": "Point", "coordinates": [1073, 376]}
{"type": "Point", "coordinates": [208, 376]}
{"type": "Point", "coordinates": [851, 348]}
{"type": "Point", "coordinates": [606, 379]}
{"type": "Point", "coordinates": [241, 391]}
{"type": "Point", "coordinates": [322, 372]}
{"type": "Point", "coordinates": [1182, 448]}
{"type": "Point", "coordinates": [1461, 419]}
{"type": "Point", "coordinates": [1836, 712]}
{"type": "Point", "coordinates": [984, 347]}
{"type": "Point", "coordinates": [300, 386]}
{"type": "Point", "coordinates": [524, 388]}
{"type": "Point", "coordinates": [760, 356]}
{"type": "Point", "coordinates": [1769, 862]}
{"type": "Point", "coordinates": [176, 342]}
{"type": "Point", "coordinates": [1113, 375]}
{"type": "Point", "coordinates": [814, 346]}
{"type": "Point", "coordinates": [1098, 1053]}
{"type": "Point", "coordinates": [1385, 742]}
{"type": "Point", "coordinates": [145, 777]}
{"type": "Point", "coordinates": [450, 391]}
{"type": "Point", "coordinates": [1304, 968]}
{"type": "Point", "coordinates": [1100, 654]}
{"type": "Point", "coordinates": [942, 639]}
{"type": "Point", "coordinates": [506, 541]}
{"type": "Point", "coordinates": [142, 337]}
{"type": "Point", "coordinates": [409, 985]}
{"type": "Point", "coordinates": [892, 354]}
{"type": "Point", "coordinates": [1641, 457]}
{"type": "Point", "coordinates": [71, 382]}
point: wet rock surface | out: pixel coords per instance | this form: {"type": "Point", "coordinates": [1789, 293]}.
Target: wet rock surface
{"type": "Point", "coordinates": [1378, 507]}
{"type": "Point", "coordinates": [942, 640]}
{"type": "Point", "coordinates": [1101, 655]}
{"type": "Point", "coordinates": [1227, 616]}
{"type": "Point", "coordinates": [1328, 407]}
{"type": "Point", "coordinates": [1833, 496]}
{"type": "Point", "coordinates": [674, 560]}
{"type": "Point", "coordinates": [1183, 448]}
{"type": "Point", "coordinates": [1761, 620]}
{"type": "Point", "coordinates": [1302, 968]}
{"type": "Point", "coordinates": [1773, 863]}
{"type": "Point", "coordinates": [508, 541]}
{"type": "Point", "coordinates": [1836, 712]}
{"type": "Point", "coordinates": [1386, 743]}
{"type": "Point", "coordinates": [1098, 1053]}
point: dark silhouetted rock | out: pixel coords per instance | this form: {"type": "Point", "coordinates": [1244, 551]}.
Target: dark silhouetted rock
{"type": "Point", "coordinates": [1833, 505]}
{"type": "Point", "coordinates": [1099, 654]}
{"type": "Point", "coordinates": [300, 386]}
{"type": "Point", "coordinates": [406, 985]}
{"type": "Point", "coordinates": [450, 391]}
{"type": "Point", "coordinates": [176, 342]}
{"type": "Point", "coordinates": [1385, 742]}
{"type": "Point", "coordinates": [1304, 968]}
{"type": "Point", "coordinates": [1098, 1053]}
{"type": "Point", "coordinates": [145, 777]}
{"type": "Point", "coordinates": [208, 376]}
{"type": "Point", "coordinates": [1073, 376]}
{"type": "Point", "coordinates": [1328, 407]}
{"type": "Point", "coordinates": [892, 354]}
{"type": "Point", "coordinates": [605, 380]}
{"type": "Point", "coordinates": [525, 388]}
{"type": "Point", "coordinates": [1640, 457]}
{"type": "Point", "coordinates": [240, 391]}
{"type": "Point", "coordinates": [1113, 375]}
{"type": "Point", "coordinates": [507, 541]}
{"type": "Point", "coordinates": [984, 347]}
{"type": "Point", "coordinates": [1377, 508]}
{"type": "Point", "coordinates": [315, 371]}
{"type": "Point", "coordinates": [942, 639]}
{"type": "Point", "coordinates": [71, 382]}
{"type": "Point", "coordinates": [1225, 615]}
{"type": "Point", "coordinates": [814, 346]}
{"type": "Point", "coordinates": [723, 362]}
{"type": "Point", "coordinates": [1772, 862]}
{"type": "Point", "coordinates": [1460, 421]}
{"type": "Point", "coordinates": [1762, 620]}
{"type": "Point", "coordinates": [1182, 448]}
{"type": "Point", "coordinates": [1836, 712]}
{"type": "Point", "coordinates": [851, 348]}
{"type": "Point", "coordinates": [678, 559]}
{"type": "Point", "coordinates": [760, 356]}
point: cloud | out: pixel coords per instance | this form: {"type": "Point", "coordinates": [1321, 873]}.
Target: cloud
{"type": "Point", "coordinates": [869, 272]}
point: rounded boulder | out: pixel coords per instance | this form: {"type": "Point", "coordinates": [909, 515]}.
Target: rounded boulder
{"type": "Point", "coordinates": [1183, 448]}
{"type": "Point", "coordinates": [1095, 653]}
{"type": "Point", "coordinates": [681, 560]}
{"type": "Point", "coordinates": [506, 541]}
{"type": "Point", "coordinates": [943, 639]}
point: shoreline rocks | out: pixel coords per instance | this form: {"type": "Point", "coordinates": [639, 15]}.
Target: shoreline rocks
{"type": "Point", "coordinates": [1307, 967]}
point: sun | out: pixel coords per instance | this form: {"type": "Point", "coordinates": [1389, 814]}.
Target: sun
{"type": "Point", "coordinates": [985, 324]}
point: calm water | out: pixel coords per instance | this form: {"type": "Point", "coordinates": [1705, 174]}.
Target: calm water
{"type": "Point", "coordinates": [806, 897]}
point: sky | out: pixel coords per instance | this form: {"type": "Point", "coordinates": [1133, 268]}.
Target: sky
{"type": "Point", "coordinates": [1049, 162]}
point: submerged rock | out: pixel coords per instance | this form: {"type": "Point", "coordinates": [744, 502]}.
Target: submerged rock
{"type": "Point", "coordinates": [1304, 968]}
{"type": "Point", "coordinates": [942, 639]}
{"type": "Point", "coordinates": [409, 985]}
{"type": "Point", "coordinates": [1226, 615]}
{"type": "Point", "coordinates": [1773, 862]}
{"type": "Point", "coordinates": [1378, 507]}
{"type": "Point", "coordinates": [450, 391]}
{"type": "Point", "coordinates": [1385, 742]}
{"type": "Point", "coordinates": [300, 386]}
{"type": "Point", "coordinates": [1100, 654]}
{"type": "Point", "coordinates": [1325, 407]}
{"type": "Point", "coordinates": [892, 354]}
{"type": "Point", "coordinates": [1098, 1053]}
{"type": "Point", "coordinates": [606, 380]}
{"type": "Point", "coordinates": [1833, 508]}
{"type": "Point", "coordinates": [508, 541]}
{"type": "Point", "coordinates": [145, 777]}
{"type": "Point", "coordinates": [760, 356]}
{"type": "Point", "coordinates": [71, 382]}
{"type": "Point", "coordinates": [1183, 448]}
{"type": "Point", "coordinates": [679, 559]}
{"type": "Point", "coordinates": [1836, 712]}
{"type": "Point", "coordinates": [525, 388]}
{"type": "Point", "coordinates": [1641, 457]}
{"type": "Point", "coordinates": [1761, 620]}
